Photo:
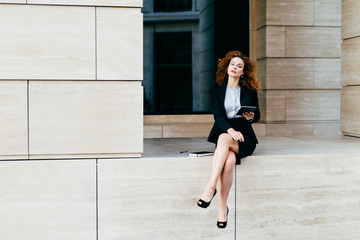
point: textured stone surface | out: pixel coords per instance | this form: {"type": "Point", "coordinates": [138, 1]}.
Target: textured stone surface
{"type": "Point", "coordinates": [13, 119]}
{"type": "Point", "coordinates": [46, 42]}
{"type": "Point", "coordinates": [115, 3]}
{"type": "Point", "coordinates": [313, 42]}
{"type": "Point", "coordinates": [350, 110]}
{"type": "Point", "coordinates": [275, 105]}
{"type": "Point", "coordinates": [289, 12]}
{"type": "Point", "coordinates": [350, 62]}
{"type": "Point", "coordinates": [350, 18]}
{"type": "Point", "coordinates": [307, 105]}
{"type": "Point", "coordinates": [155, 198]}
{"type": "Point", "coordinates": [327, 13]}
{"type": "Point", "coordinates": [298, 197]}
{"type": "Point", "coordinates": [48, 200]}
{"type": "Point", "coordinates": [85, 117]}
{"type": "Point", "coordinates": [289, 73]}
{"type": "Point", "coordinates": [119, 43]}
{"type": "Point", "coordinates": [327, 73]}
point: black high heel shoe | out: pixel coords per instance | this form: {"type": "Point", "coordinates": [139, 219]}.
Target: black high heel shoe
{"type": "Point", "coordinates": [203, 204]}
{"type": "Point", "coordinates": [223, 224]}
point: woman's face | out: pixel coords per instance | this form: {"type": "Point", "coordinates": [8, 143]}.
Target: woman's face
{"type": "Point", "coordinates": [236, 67]}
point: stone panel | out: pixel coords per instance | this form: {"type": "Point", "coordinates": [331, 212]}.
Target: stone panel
{"type": "Point", "coordinates": [350, 62]}
{"type": "Point", "coordinates": [289, 12]}
{"type": "Point", "coordinates": [13, 119]}
{"type": "Point", "coordinates": [187, 130]}
{"type": "Point", "coordinates": [139, 199]}
{"type": "Point", "coordinates": [289, 129]}
{"type": "Point", "coordinates": [261, 72]}
{"type": "Point", "coordinates": [260, 14]}
{"type": "Point", "coordinates": [327, 13]}
{"type": "Point", "coordinates": [13, 1]}
{"type": "Point", "coordinates": [350, 110]}
{"type": "Point", "coordinates": [308, 197]}
{"type": "Point", "coordinates": [327, 73]}
{"type": "Point", "coordinates": [261, 43]}
{"type": "Point", "coordinates": [350, 18]}
{"type": "Point", "coordinates": [327, 129]}
{"type": "Point", "coordinates": [313, 42]}
{"type": "Point", "coordinates": [275, 105]}
{"type": "Point", "coordinates": [85, 118]}
{"type": "Point", "coordinates": [275, 41]}
{"type": "Point", "coordinates": [153, 131]}
{"type": "Point", "coordinates": [289, 73]}
{"type": "Point", "coordinates": [119, 43]}
{"type": "Point", "coordinates": [315, 105]}
{"type": "Point", "coordinates": [47, 42]}
{"type": "Point", "coordinates": [48, 200]}
{"type": "Point", "coordinates": [115, 3]}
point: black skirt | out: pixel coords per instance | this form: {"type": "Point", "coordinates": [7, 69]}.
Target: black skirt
{"type": "Point", "coordinates": [247, 147]}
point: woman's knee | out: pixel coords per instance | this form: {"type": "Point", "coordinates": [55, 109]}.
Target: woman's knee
{"type": "Point", "coordinates": [224, 139]}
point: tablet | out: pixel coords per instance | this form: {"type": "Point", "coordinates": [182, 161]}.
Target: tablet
{"type": "Point", "coordinates": [245, 109]}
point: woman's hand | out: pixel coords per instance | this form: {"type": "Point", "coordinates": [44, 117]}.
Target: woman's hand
{"type": "Point", "coordinates": [237, 136]}
{"type": "Point", "coordinates": [249, 115]}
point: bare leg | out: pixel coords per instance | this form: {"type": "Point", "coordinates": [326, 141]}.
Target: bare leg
{"type": "Point", "coordinates": [224, 144]}
{"type": "Point", "coordinates": [226, 180]}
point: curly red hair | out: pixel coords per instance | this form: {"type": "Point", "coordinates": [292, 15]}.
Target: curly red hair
{"type": "Point", "coordinates": [249, 79]}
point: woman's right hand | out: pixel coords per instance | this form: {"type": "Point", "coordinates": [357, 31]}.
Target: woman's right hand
{"type": "Point", "coordinates": [237, 136]}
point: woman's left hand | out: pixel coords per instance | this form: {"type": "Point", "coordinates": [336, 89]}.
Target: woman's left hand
{"type": "Point", "coordinates": [248, 115]}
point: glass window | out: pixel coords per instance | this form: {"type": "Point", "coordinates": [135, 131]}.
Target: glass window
{"type": "Point", "coordinates": [173, 72]}
{"type": "Point", "coordinates": [172, 5]}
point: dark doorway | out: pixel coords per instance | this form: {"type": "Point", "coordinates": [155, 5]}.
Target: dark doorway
{"type": "Point", "coordinates": [231, 26]}
{"type": "Point", "coordinates": [173, 72]}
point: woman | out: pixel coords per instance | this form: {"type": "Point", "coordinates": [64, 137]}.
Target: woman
{"type": "Point", "coordinates": [233, 135]}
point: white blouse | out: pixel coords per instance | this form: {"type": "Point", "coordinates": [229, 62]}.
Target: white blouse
{"type": "Point", "coordinates": [232, 102]}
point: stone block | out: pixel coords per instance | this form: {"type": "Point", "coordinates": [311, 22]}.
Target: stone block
{"type": "Point", "coordinates": [350, 110]}
{"type": "Point", "coordinates": [261, 43]}
{"type": "Point", "coordinates": [260, 13]}
{"type": "Point", "coordinates": [153, 131]}
{"type": "Point", "coordinates": [187, 130]}
{"type": "Point", "coordinates": [327, 73]}
{"type": "Point", "coordinates": [290, 129]}
{"type": "Point", "coordinates": [327, 129]}
{"type": "Point", "coordinates": [13, 1]}
{"type": "Point", "coordinates": [119, 43]}
{"type": "Point", "coordinates": [289, 73]}
{"type": "Point", "coordinates": [93, 118]}
{"type": "Point", "coordinates": [13, 120]}
{"type": "Point", "coordinates": [47, 42]}
{"type": "Point", "coordinates": [312, 105]}
{"type": "Point", "coordinates": [350, 19]}
{"type": "Point", "coordinates": [275, 105]}
{"type": "Point", "coordinates": [350, 62]}
{"type": "Point", "coordinates": [313, 42]}
{"type": "Point", "coordinates": [275, 41]}
{"type": "Point", "coordinates": [328, 13]}
{"type": "Point", "coordinates": [48, 200]}
{"type": "Point", "coordinates": [133, 193]}
{"type": "Point", "coordinates": [108, 3]}
{"type": "Point", "coordinates": [289, 12]}
{"type": "Point", "coordinates": [298, 197]}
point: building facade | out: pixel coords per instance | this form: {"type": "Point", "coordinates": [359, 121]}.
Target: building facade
{"type": "Point", "coordinates": [70, 79]}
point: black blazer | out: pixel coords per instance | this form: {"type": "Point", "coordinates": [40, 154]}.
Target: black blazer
{"type": "Point", "coordinates": [248, 97]}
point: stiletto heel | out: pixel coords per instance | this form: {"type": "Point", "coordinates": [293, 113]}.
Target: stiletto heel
{"type": "Point", "coordinates": [203, 204]}
{"type": "Point", "coordinates": [223, 224]}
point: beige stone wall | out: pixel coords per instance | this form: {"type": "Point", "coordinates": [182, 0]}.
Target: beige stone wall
{"type": "Point", "coordinates": [297, 47]}
{"type": "Point", "coordinates": [350, 73]}
{"type": "Point", "coordinates": [70, 79]}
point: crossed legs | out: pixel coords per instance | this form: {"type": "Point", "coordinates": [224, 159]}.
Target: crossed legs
{"type": "Point", "coordinates": [222, 168]}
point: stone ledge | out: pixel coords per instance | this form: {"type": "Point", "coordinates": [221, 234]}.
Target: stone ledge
{"type": "Point", "coordinates": [97, 3]}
